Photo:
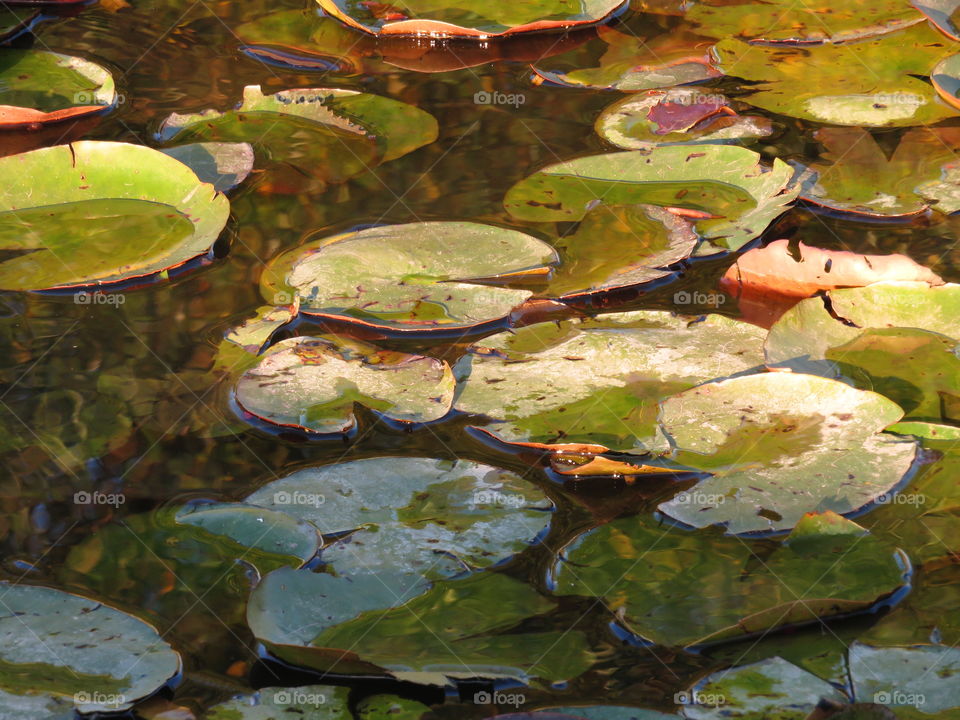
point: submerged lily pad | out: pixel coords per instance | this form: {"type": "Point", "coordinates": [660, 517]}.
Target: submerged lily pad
{"type": "Point", "coordinates": [598, 381]}
{"type": "Point", "coordinates": [310, 702]}
{"type": "Point", "coordinates": [223, 165]}
{"type": "Point", "coordinates": [658, 578]}
{"type": "Point", "coordinates": [490, 19]}
{"type": "Point", "coordinates": [780, 445]}
{"type": "Point", "coordinates": [681, 116]}
{"type": "Point", "coordinates": [871, 83]}
{"type": "Point", "coordinates": [57, 645]}
{"type": "Point", "coordinates": [312, 384]}
{"type": "Point", "coordinates": [419, 276]}
{"type": "Point", "coordinates": [725, 181]}
{"type": "Point", "coordinates": [39, 87]}
{"type": "Point", "coordinates": [630, 63]}
{"type": "Point", "coordinates": [328, 135]}
{"type": "Point", "coordinates": [75, 230]}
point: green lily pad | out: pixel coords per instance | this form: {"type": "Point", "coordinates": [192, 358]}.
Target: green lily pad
{"type": "Point", "coordinates": [678, 116]}
{"type": "Point", "coordinates": [494, 19]}
{"type": "Point", "coordinates": [390, 707]}
{"type": "Point", "coordinates": [871, 83]}
{"type": "Point", "coordinates": [677, 588]}
{"type": "Point", "coordinates": [417, 277]}
{"type": "Point", "coordinates": [74, 230]}
{"type": "Point", "coordinates": [271, 531]}
{"type": "Point", "coordinates": [928, 431]}
{"type": "Point", "coordinates": [619, 246]}
{"type": "Point", "coordinates": [327, 135]}
{"type": "Point", "coordinates": [922, 677]}
{"type": "Point", "coordinates": [223, 165]}
{"type": "Point", "coordinates": [41, 87]}
{"type": "Point", "coordinates": [943, 15]}
{"type": "Point", "coordinates": [310, 702]}
{"type": "Point", "coordinates": [780, 445]}
{"type": "Point", "coordinates": [464, 628]}
{"type": "Point", "coordinates": [783, 21]}
{"type": "Point", "coordinates": [859, 178]}
{"type": "Point", "coordinates": [312, 384]}
{"type": "Point", "coordinates": [15, 22]}
{"type": "Point", "coordinates": [629, 63]}
{"type": "Point", "coordinates": [57, 645]}
{"type": "Point", "coordinates": [438, 518]}
{"type": "Point", "coordinates": [723, 180]}
{"type": "Point", "coordinates": [598, 381]}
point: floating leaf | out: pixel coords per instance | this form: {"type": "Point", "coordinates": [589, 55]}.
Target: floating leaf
{"type": "Point", "coordinates": [681, 116]}
{"type": "Point", "coordinates": [310, 702]}
{"type": "Point", "coordinates": [427, 17]}
{"type": "Point", "coordinates": [75, 229]}
{"type": "Point", "coordinates": [724, 181]}
{"type": "Point", "coordinates": [57, 645]}
{"type": "Point", "coordinates": [420, 276]}
{"type": "Point", "coordinates": [629, 63]}
{"type": "Point", "coordinates": [223, 165]}
{"type": "Point", "coordinates": [39, 87]}
{"type": "Point", "coordinates": [780, 445]}
{"type": "Point", "coordinates": [923, 677]}
{"type": "Point", "coordinates": [942, 13]}
{"type": "Point", "coordinates": [872, 83]}
{"type": "Point", "coordinates": [312, 384]}
{"type": "Point", "coordinates": [658, 579]}
{"type": "Point", "coordinates": [378, 707]}
{"type": "Point", "coordinates": [598, 381]}
{"type": "Point", "coordinates": [595, 712]}
{"type": "Point", "coordinates": [15, 23]}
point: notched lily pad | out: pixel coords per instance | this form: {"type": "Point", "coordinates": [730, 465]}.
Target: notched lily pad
{"type": "Point", "coordinates": [312, 384]}
{"type": "Point", "coordinates": [76, 229]}
{"type": "Point", "coordinates": [426, 276]}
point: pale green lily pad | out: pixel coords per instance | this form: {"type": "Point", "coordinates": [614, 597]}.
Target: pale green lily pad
{"type": "Point", "coordinates": [312, 384]}
{"type": "Point", "coordinates": [41, 87]}
{"type": "Point", "coordinates": [598, 381]}
{"type": "Point", "coordinates": [435, 516]}
{"type": "Point", "coordinates": [772, 689]}
{"type": "Point", "coordinates": [223, 165]}
{"type": "Point", "coordinates": [271, 531]}
{"type": "Point", "coordinates": [925, 430]}
{"type": "Point", "coordinates": [415, 277]}
{"type": "Point", "coordinates": [871, 83]}
{"type": "Point", "coordinates": [390, 707]}
{"type": "Point", "coordinates": [491, 19]}
{"type": "Point", "coordinates": [464, 628]}
{"type": "Point", "coordinates": [629, 63]}
{"type": "Point", "coordinates": [75, 230]}
{"type": "Point", "coordinates": [923, 677]}
{"type": "Point", "coordinates": [677, 588]}
{"type": "Point", "coordinates": [59, 645]}
{"type": "Point", "coordinates": [36, 707]}
{"type": "Point", "coordinates": [723, 180]}
{"type": "Point", "coordinates": [254, 333]}
{"type": "Point", "coordinates": [787, 22]}
{"type": "Point", "coordinates": [779, 445]}
{"type": "Point", "coordinates": [310, 702]}
{"type": "Point", "coordinates": [681, 116]}
{"type": "Point", "coordinates": [620, 246]}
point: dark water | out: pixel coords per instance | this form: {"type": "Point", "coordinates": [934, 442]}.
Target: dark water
{"type": "Point", "coordinates": [181, 57]}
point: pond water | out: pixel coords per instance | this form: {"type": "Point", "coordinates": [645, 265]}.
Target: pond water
{"type": "Point", "coordinates": [118, 399]}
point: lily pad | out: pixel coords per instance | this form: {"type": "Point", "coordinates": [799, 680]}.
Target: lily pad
{"type": "Point", "coordinates": [310, 702]}
{"type": "Point", "coordinates": [922, 677]}
{"type": "Point", "coordinates": [57, 645]}
{"type": "Point", "coordinates": [223, 165]}
{"type": "Point", "coordinates": [16, 22]}
{"type": "Point", "coordinates": [312, 384]}
{"type": "Point", "coordinates": [629, 63]}
{"type": "Point", "coordinates": [390, 707]}
{"type": "Point", "coordinates": [616, 247]}
{"type": "Point", "coordinates": [871, 83]}
{"type": "Point", "coordinates": [780, 445]}
{"type": "Point", "coordinates": [722, 180]}
{"type": "Point", "coordinates": [658, 579]}
{"type": "Point", "coordinates": [859, 178]}
{"type": "Point", "coordinates": [598, 381]}
{"type": "Point", "coordinates": [444, 276]}
{"type": "Point", "coordinates": [481, 21]}
{"type": "Point", "coordinates": [328, 135]}
{"type": "Point", "coordinates": [681, 116]}
{"type": "Point", "coordinates": [74, 230]}
{"type": "Point", "coordinates": [943, 15]}
{"type": "Point", "coordinates": [38, 87]}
